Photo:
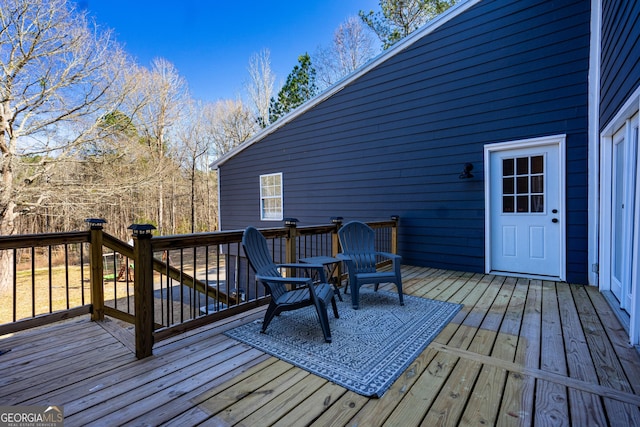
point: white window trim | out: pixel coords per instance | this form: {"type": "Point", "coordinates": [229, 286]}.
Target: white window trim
{"type": "Point", "coordinates": [280, 196]}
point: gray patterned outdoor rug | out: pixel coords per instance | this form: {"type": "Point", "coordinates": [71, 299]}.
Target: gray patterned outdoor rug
{"type": "Point", "coordinates": [370, 347]}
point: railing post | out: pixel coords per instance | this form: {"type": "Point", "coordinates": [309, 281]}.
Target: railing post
{"type": "Point", "coordinates": [291, 254]}
{"type": "Point", "coordinates": [335, 245]}
{"type": "Point", "coordinates": [143, 288]}
{"type": "Point", "coordinates": [335, 241]}
{"type": "Point", "coordinates": [394, 234]}
{"type": "Point", "coordinates": [96, 270]}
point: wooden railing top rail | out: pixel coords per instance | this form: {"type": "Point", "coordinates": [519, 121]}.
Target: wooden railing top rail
{"type": "Point", "coordinates": [382, 224]}
{"type": "Point", "coordinates": [22, 241]}
{"type": "Point", "coordinates": [161, 243]}
{"type": "Point", "coordinates": [183, 241]}
{"type": "Point", "coordinates": [117, 245]}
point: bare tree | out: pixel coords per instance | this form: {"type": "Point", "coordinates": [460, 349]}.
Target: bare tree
{"type": "Point", "coordinates": [157, 109]}
{"type": "Point", "coordinates": [193, 141]}
{"type": "Point", "coordinates": [352, 46]}
{"type": "Point", "coordinates": [228, 124]}
{"type": "Point", "coordinates": [261, 86]}
{"type": "Point", "coordinates": [57, 77]}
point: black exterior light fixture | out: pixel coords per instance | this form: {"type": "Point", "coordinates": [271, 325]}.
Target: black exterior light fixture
{"type": "Point", "coordinates": [466, 172]}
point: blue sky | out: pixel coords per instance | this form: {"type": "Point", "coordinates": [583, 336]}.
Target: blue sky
{"type": "Point", "coordinates": [210, 42]}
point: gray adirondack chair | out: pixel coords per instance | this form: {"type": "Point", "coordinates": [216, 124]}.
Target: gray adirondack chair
{"type": "Point", "coordinates": [304, 293]}
{"type": "Point", "coordinates": [359, 255]}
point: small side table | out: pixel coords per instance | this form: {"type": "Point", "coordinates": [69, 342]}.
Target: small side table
{"type": "Point", "coordinates": [330, 264]}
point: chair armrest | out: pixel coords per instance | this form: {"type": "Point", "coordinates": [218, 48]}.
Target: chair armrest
{"type": "Point", "coordinates": [298, 281]}
{"type": "Point", "coordinates": [389, 255]}
{"type": "Point", "coordinates": [348, 262]}
{"type": "Point", "coordinates": [396, 259]}
{"type": "Point", "coordinates": [345, 258]}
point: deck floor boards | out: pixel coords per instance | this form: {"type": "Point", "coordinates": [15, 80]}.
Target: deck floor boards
{"type": "Point", "coordinates": [520, 352]}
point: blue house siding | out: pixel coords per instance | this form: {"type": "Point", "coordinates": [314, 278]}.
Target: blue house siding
{"type": "Point", "coordinates": [620, 64]}
{"type": "Point", "coordinates": [395, 139]}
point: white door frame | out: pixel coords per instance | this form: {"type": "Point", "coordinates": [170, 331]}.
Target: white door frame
{"type": "Point", "coordinates": [621, 119]}
{"type": "Point", "coordinates": [560, 141]}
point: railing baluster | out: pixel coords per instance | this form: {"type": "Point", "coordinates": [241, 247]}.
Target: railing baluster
{"type": "Point", "coordinates": [50, 280]}
{"type": "Point", "coordinates": [128, 261]}
{"type": "Point", "coordinates": [169, 295]}
{"type": "Point", "coordinates": [218, 288]}
{"type": "Point", "coordinates": [15, 284]}
{"type": "Point", "coordinates": [206, 279]}
{"type": "Point", "coordinates": [114, 266]}
{"type": "Point", "coordinates": [256, 287]}
{"type": "Point", "coordinates": [162, 299]}
{"type": "Point", "coordinates": [115, 290]}
{"type": "Point", "coordinates": [196, 298]}
{"type": "Point", "coordinates": [82, 273]}
{"type": "Point", "coordinates": [180, 285]}
{"type": "Point", "coordinates": [251, 291]}
{"type": "Point", "coordinates": [33, 281]}
{"type": "Point", "coordinates": [66, 272]}
{"type": "Point", "coordinates": [236, 271]}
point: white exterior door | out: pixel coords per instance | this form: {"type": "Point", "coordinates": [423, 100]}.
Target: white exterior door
{"type": "Point", "coordinates": [525, 210]}
{"type": "Point", "coordinates": [624, 183]}
{"type": "Point", "coordinates": [620, 207]}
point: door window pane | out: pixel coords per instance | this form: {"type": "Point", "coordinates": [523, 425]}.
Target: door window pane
{"type": "Point", "coordinates": [523, 204]}
{"type": "Point", "coordinates": [537, 204]}
{"type": "Point", "coordinates": [524, 177]}
{"type": "Point", "coordinates": [523, 184]}
{"type": "Point", "coordinates": [522, 165]}
{"type": "Point", "coordinates": [537, 184]}
{"type": "Point", "coordinates": [537, 163]}
{"type": "Point", "coordinates": [507, 186]}
{"type": "Point", "coordinates": [618, 209]}
{"type": "Point", "coordinates": [508, 205]}
{"type": "Point", "coordinates": [507, 167]}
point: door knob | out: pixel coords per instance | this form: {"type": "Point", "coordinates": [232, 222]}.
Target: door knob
{"type": "Point", "coordinates": [554, 220]}
{"type": "Point", "coordinates": [554, 211]}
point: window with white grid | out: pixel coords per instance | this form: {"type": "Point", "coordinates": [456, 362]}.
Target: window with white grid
{"type": "Point", "coordinates": [271, 197]}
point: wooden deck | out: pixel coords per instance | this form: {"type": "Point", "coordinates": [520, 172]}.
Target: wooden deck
{"type": "Point", "coordinates": [521, 352]}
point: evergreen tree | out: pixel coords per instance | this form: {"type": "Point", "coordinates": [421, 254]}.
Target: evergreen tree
{"type": "Point", "coordinates": [299, 88]}
{"type": "Point", "coordinates": [399, 18]}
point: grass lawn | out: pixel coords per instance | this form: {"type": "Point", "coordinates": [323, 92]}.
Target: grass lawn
{"type": "Point", "coordinates": [42, 293]}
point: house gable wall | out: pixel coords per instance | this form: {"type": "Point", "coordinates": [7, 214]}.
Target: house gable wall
{"type": "Point", "coordinates": [394, 141]}
{"type": "Point", "coordinates": [620, 63]}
